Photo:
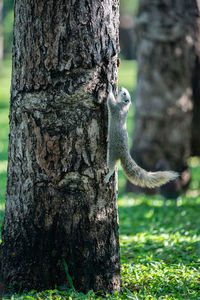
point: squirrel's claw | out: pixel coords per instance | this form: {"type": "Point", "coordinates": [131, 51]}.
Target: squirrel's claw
{"type": "Point", "coordinates": [109, 87]}
{"type": "Point", "coordinates": [106, 179]}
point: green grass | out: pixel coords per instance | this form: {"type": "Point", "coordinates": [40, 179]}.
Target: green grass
{"type": "Point", "coordinates": [160, 248]}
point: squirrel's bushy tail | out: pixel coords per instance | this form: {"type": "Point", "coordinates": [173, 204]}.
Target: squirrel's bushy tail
{"type": "Point", "coordinates": [139, 176]}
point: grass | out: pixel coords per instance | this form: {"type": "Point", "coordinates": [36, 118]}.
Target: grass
{"type": "Point", "coordinates": [159, 247]}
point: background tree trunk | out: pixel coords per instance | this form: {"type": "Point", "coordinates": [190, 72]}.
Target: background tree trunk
{"type": "Point", "coordinates": [163, 104]}
{"type": "Point", "coordinates": [127, 38]}
{"type": "Point", "coordinates": [58, 207]}
{"type": "Point", "coordinates": [195, 145]}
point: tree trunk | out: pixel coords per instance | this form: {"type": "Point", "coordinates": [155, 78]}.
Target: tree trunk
{"type": "Point", "coordinates": [195, 144]}
{"type": "Point", "coordinates": [163, 104]}
{"type": "Point", "coordinates": [127, 37]}
{"type": "Point", "coordinates": [58, 207]}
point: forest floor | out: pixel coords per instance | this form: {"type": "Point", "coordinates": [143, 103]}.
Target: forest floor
{"type": "Point", "coordinates": [160, 248]}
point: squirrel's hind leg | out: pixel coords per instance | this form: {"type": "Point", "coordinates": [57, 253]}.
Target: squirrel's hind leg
{"type": "Point", "coordinates": [111, 167]}
{"type": "Point", "coordinates": [107, 178]}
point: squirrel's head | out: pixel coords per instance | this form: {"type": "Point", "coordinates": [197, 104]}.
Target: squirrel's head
{"type": "Point", "coordinates": [124, 97]}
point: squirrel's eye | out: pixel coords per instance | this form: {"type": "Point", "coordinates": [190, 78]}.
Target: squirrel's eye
{"type": "Point", "coordinates": [124, 93]}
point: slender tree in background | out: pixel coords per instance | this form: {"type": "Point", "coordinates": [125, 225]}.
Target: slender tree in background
{"type": "Point", "coordinates": [163, 104]}
{"type": "Point", "coordinates": [58, 208]}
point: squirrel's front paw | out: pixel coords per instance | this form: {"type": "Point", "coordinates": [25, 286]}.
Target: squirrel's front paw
{"type": "Point", "coordinates": [109, 87]}
{"type": "Point", "coordinates": [106, 180]}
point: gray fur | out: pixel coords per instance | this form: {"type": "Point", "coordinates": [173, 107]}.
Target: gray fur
{"type": "Point", "coordinates": [118, 146]}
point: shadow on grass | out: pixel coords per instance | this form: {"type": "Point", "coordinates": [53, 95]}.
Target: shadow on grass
{"type": "Point", "coordinates": [168, 251]}
{"type": "Point", "coordinates": [157, 220]}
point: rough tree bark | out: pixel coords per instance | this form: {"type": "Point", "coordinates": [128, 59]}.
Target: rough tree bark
{"type": "Point", "coordinates": [58, 207]}
{"type": "Point", "coordinates": [163, 104]}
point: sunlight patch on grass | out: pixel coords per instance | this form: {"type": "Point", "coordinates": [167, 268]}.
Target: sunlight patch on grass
{"type": "Point", "coordinates": [4, 117]}
{"type": "Point", "coordinates": [126, 201]}
{"type": "Point", "coordinates": [3, 166]}
{"type": "Point", "coordinates": [137, 200]}
{"type": "Point", "coordinates": [2, 206]}
{"type": "Point", "coordinates": [194, 161]}
{"type": "Point", "coordinates": [167, 239]}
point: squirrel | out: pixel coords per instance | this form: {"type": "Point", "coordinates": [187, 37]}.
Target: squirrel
{"type": "Point", "coordinates": [118, 146]}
